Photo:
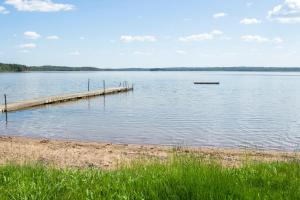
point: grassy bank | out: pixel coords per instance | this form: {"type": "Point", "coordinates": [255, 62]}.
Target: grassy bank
{"type": "Point", "coordinates": [180, 178]}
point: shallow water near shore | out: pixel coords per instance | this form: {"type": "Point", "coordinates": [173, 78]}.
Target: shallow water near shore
{"type": "Point", "coordinates": [249, 110]}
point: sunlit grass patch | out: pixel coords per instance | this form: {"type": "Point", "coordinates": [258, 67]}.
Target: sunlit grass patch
{"type": "Point", "coordinates": [182, 177]}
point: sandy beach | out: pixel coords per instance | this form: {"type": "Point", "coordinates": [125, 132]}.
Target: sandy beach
{"type": "Point", "coordinates": [75, 154]}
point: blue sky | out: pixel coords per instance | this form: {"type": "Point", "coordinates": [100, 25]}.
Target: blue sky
{"type": "Point", "coordinates": [150, 33]}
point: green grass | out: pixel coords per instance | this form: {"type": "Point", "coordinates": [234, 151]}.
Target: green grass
{"type": "Point", "coordinates": [180, 178]}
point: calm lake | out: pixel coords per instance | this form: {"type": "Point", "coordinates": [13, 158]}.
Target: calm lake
{"type": "Point", "coordinates": [251, 110]}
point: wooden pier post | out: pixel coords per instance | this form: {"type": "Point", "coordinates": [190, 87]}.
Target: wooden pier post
{"type": "Point", "coordinates": [5, 108]}
{"type": "Point", "coordinates": [104, 87]}
{"type": "Point", "coordinates": [88, 85]}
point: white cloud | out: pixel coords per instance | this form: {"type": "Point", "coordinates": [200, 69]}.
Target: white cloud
{"type": "Point", "coordinates": [142, 53]}
{"type": "Point", "coordinates": [138, 38]}
{"type": "Point", "coordinates": [260, 39]}
{"type": "Point", "coordinates": [181, 52]}
{"type": "Point", "coordinates": [24, 51]}
{"type": "Point", "coordinates": [200, 37]}
{"type": "Point", "coordinates": [230, 54]}
{"type": "Point", "coordinates": [82, 38]}
{"type": "Point", "coordinates": [278, 40]}
{"type": "Point", "coordinates": [249, 4]}
{"type": "Point", "coordinates": [216, 32]}
{"type": "Point", "coordinates": [3, 10]}
{"type": "Point", "coordinates": [254, 38]}
{"type": "Point", "coordinates": [287, 12]}
{"type": "Point", "coordinates": [39, 5]}
{"type": "Point", "coordinates": [27, 46]}
{"type": "Point", "coordinates": [219, 15]}
{"type": "Point", "coordinates": [32, 35]}
{"type": "Point", "coordinates": [74, 53]}
{"type": "Point", "coordinates": [249, 21]}
{"type": "Point", "coordinates": [52, 37]}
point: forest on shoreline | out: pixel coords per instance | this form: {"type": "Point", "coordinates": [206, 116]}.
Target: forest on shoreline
{"type": "Point", "coordinates": [23, 68]}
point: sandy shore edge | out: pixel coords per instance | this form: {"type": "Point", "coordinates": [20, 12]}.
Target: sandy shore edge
{"type": "Point", "coordinates": [76, 154]}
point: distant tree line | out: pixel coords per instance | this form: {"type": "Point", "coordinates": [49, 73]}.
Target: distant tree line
{"type": "Point", "coordinates": [24, 68]}
{"type": "Point", "coordinates": [13, 68]}
{"type": "Point", "coordinates": [63, 68]}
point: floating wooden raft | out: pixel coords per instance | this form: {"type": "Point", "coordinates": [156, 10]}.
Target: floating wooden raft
{"type": "Point", "coordinates": [61, 98]}
{"type": "Point", "coordinates": [206, 83]}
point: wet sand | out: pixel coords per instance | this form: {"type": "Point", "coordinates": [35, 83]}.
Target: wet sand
{"type": "Point", "coordinates": [76, 154]}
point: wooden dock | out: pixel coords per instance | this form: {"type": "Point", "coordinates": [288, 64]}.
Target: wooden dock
{"type": "Point", "coordinates": [207, 83]}
{"type": "Point", "coordinates": [61, 98]}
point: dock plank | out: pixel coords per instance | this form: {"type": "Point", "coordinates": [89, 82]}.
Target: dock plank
{"type": "Point", "coordinates": [61, 98]}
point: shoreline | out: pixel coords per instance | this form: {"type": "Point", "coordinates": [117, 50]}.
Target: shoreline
{"type": "Point", "coordinates": [103, 155]}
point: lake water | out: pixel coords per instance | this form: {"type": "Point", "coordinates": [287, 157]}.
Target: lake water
{"type": "Point", "coordinates": [251, 110]}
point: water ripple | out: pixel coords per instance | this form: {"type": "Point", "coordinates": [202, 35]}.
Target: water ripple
{"type": "Point", "coordinates": [249, 110]}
